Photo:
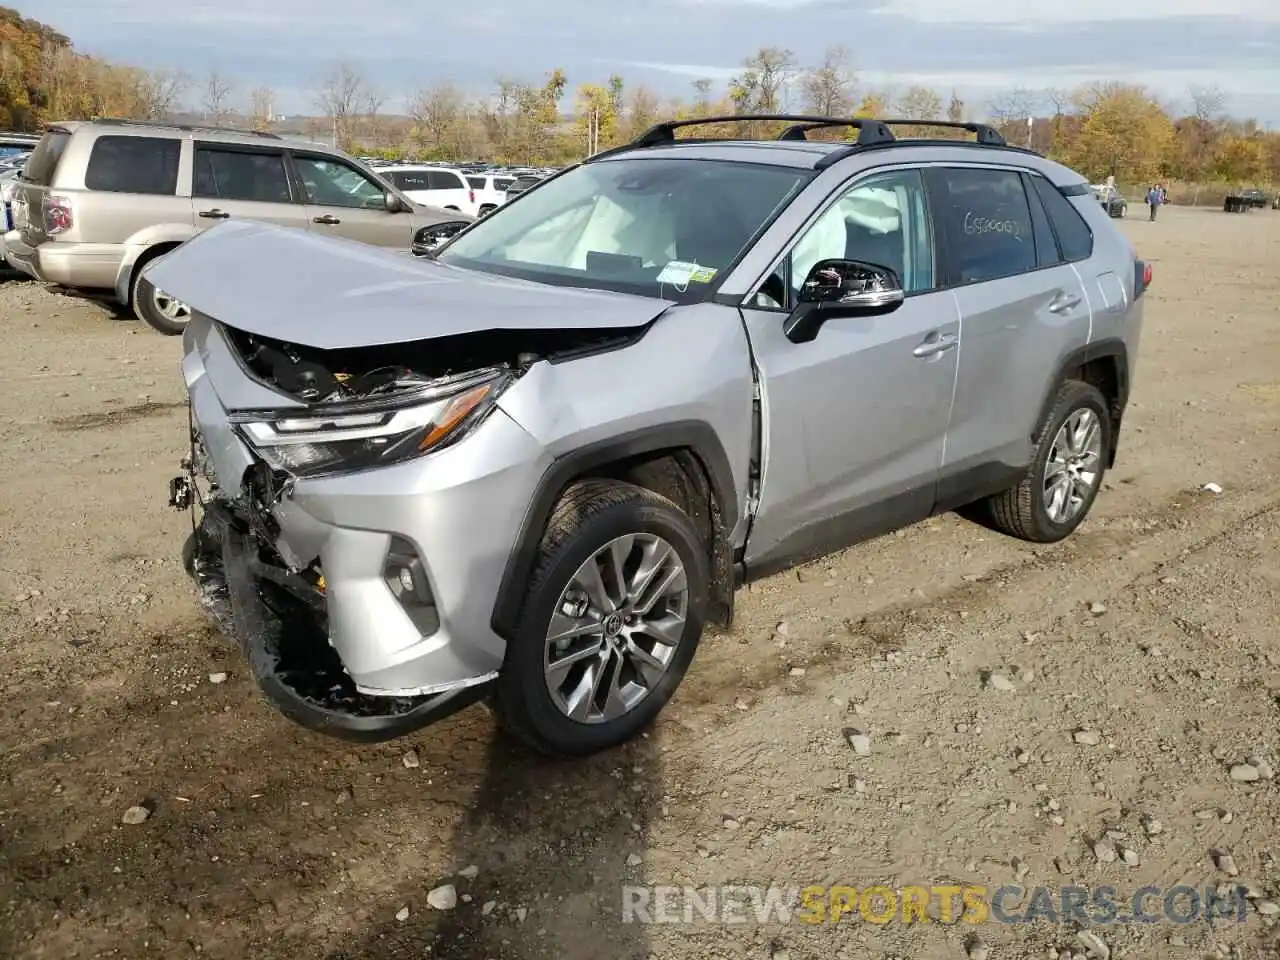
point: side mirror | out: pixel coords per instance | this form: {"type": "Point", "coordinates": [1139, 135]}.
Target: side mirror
{"type": "Point", "coordinates": [842, 288]}
{"type": "Point", "coordinates": [431, 238]}
{"type": "Point", "coordinates": [393, 203]}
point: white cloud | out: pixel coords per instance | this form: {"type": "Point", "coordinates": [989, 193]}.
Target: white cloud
{"type": "Point", "coordinates": [1074, 11]}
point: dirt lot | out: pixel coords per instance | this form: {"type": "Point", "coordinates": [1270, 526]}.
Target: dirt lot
{"type": "Point", "coordinates": [1155, 626]}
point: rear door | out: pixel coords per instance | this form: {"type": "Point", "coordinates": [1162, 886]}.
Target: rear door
{"type": "Point", "coordinates": [1022, 309]}
{"type": "Point", "coordinates": [343, 201]}
{"type": "Point", "coordinates": [244, 183]}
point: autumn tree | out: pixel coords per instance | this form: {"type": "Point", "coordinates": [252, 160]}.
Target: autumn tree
{"type": "Point", "coordinates": [919, 103]}
{"type": "Point", "coordinates": [595, 117]}
{"type": "Point", "coordinates": [1123, 132]}
{"type": "Point", "coordinates": [762, 84]}
{"type": "Point", "coordinates": [828, 89]}
{"type": "Point", "coordinates": [261, 108]}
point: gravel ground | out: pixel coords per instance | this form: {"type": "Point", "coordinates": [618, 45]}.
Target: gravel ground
{"type": "Point", "coordinates": [941, 706]}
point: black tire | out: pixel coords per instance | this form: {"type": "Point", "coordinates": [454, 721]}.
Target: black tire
{"type": "Point", "coordinates": [589, 515]}
{"type": "Point", "coordinates": [1020, 511]}
{"type": "Point", "coordinates": [487, 209]}
{"type": "Point", "coordinates": [142, 299]}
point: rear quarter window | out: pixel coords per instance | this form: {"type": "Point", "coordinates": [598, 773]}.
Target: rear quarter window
{"type": "Point", "coordinates": [43, 162]}
{"type": "Point", "coordinates": [147, 165]}
{"type": "Point", "coordinates": [477, 183]}
{"type": "Point", "coordinates": [447, 180]}
{"type": "Point", "coordinates": [1074, 236]}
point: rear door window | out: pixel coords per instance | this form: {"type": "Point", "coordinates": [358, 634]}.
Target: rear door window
{"type": "Point", "coordinates": [502, 183]}
{"type": "Point", "coordinates": [988, 223]}
{"type": "Point", "coordinates": [147, 165]}
{"type": "Point", "coordinates": [44, 159]}
{"type": "Point", "coordinates": [1074, 236]}
{"type": "Point", "coordinates": [241, 175]}
{"type": "Point", "coordinates": [410, 180]}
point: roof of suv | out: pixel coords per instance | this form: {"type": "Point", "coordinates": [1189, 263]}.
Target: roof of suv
{"type": "Point", "coordinates": [177, 131]}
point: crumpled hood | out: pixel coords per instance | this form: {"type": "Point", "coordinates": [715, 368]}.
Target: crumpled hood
{"type": "Point", "coordinates": [331, 293]}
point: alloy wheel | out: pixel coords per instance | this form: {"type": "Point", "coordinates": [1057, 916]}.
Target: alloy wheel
{"type": "Point", "coordinates": [616, 628]}
{"type": "Point", "coordinates": [1073, 467]}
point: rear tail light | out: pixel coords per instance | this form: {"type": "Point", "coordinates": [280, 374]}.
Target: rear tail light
{"type": "Point", "coordinates": [471, 196]}
{"type": "Point", "coordinates": [1141, 277]}
{"type": "Point", "coordinates": [57, 215]}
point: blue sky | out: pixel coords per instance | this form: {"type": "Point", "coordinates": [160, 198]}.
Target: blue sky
{"type": "Point", "coordinates": [979, 47]}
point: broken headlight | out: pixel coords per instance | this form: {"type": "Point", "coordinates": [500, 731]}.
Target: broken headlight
{"type": "Point", "coordinates": [371, 433]}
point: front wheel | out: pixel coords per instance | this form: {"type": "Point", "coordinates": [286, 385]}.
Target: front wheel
{"type": "Point", "coordinates": [156, 308]}
{"type": "Point", "coordinates": [1066, 472]}
{"type": "Point", "coordinates": [611, 619]}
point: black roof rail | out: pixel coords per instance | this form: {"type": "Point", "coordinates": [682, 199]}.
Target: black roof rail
{"type": "Point", "coordinates": [189, 127]}
{"type": "Point", "coordinates": [660, 134]}
{"type": "Point", "coordinates": [986, 135]}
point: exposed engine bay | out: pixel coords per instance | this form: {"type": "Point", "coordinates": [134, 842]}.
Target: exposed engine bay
{"type": "Point", "coordinates": [322, 377]}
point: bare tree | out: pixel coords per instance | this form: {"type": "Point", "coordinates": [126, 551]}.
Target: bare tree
{"type": "Point", "coordinates": [641, 110]}
{"type": "Point", "coordinates": [217, 94]}
{"type": "Point", "coordinates": [1012, 106]}
{"type": "Point", "coordinates": [1059, 98]}
{"type": "Point", "coordinates": [261, 108]}
{"type": "Point", "coordinates": [1207, 103]}
{"type": "Point", "coordinates": [162, 91]}
{"type": "Point", "coordinates": [919, 103]}
{"type": "Point", "coordinates": [342, 92]}
{"type": "Point", "coordinates": [371, 108]}
{"type": "Point", "coordinates": [702, 96]}
{"type": "Point", "coordinates": [435, 111]}
{"type": "Point", "coordinates": [955, 109]}
{"type": "Point", "coordinates": [828, 89]}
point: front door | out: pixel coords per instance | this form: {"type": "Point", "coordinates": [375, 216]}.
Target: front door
{"type": "Point", "coordinates": [855, 420]}
{"type": "Point", "coordinates": [343, 202]}
{"type": "Point", "coordinates": [231, 182]}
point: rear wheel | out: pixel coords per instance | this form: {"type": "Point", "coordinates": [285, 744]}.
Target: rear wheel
{"type": "Point", "coordinates": [487, 209]}
{"type": "Point", "coordinates": [611, 620]}
{"type": "Point", "coordinates": [1066, 473]}
{"type": "Point", "coordinates": [156, 308]}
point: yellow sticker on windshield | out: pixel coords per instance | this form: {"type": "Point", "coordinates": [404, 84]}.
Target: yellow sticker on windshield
{"type": "Point", "coordinates": [702, 275]}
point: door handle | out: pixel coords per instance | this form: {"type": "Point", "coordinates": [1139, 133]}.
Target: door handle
{"type": "Point", "coordinates": [935, 343]}
{"type": "Point", "coordinates": [214, 214]}
{"type": "Point", "coordinates": [327, 218]}
{"type": "Point", "coordinates": [1063, 302]}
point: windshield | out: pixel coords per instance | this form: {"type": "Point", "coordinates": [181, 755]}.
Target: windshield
{"type": "Point", "coordinates": [661, 228]}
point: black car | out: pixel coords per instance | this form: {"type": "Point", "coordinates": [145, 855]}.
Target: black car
{"type": "Point", "coordinates": [1115, 205]}
{"type": "Point", "coordinates": [1255, 197]}
{"type": "Point", "coordinates": [520, 185]}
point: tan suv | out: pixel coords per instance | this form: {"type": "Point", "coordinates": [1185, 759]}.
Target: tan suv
{"type": "Point", "coordinates": [100, 199]}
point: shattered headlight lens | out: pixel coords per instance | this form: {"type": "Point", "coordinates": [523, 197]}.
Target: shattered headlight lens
{"type": "Point", "coordinates": [345, 437]}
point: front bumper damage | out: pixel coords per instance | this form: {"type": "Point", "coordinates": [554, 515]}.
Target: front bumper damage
{"type": "Point", "coordinates": [279, 619]}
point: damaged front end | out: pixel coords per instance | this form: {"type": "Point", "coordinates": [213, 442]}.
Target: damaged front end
{"type": "Point", "coordinates": [338, 615]}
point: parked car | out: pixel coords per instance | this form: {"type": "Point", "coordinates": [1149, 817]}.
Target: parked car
{"type": "Point", "coordinates": [436, 186]}
{"type": "Point", "coordinates": [99, 200]}
{"type": "Point", "coordinates": [532, 466]}
{"type": "Point", "coordinates": [491, 191]}
{"type": "Point", "coordinates": [520, 184]}
{"type": "Point", "coordinates": [1111, 200]}
{"type": "Point", "coordinates": [1256, 197]}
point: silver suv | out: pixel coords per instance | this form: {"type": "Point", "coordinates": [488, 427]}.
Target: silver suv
{"type": "Point", "coordinates": [100, 200]}
{"type": "Point", "coordinates": [530, 466]}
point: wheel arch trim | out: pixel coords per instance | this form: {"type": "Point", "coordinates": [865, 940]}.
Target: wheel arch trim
{"type": "Point", "coordinates": [694, 436]}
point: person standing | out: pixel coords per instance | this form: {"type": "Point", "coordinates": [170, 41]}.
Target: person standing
{"type": "Point", "coordinates": [1153, 200]}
